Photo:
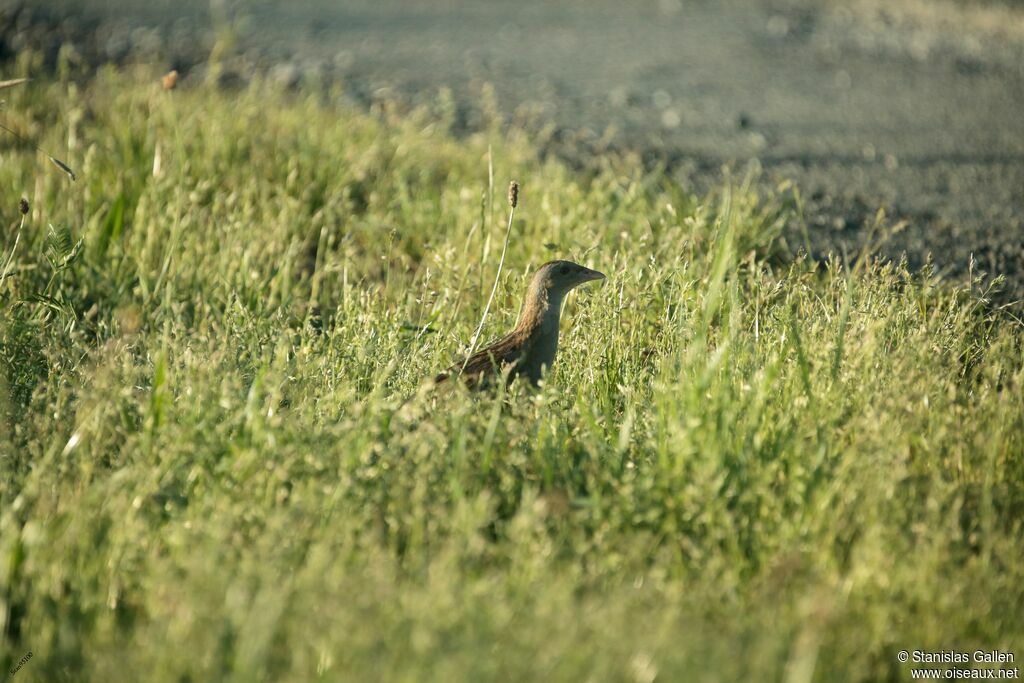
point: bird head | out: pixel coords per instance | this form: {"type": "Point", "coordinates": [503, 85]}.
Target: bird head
{"type": "Point", "coordinates": [558, 277]}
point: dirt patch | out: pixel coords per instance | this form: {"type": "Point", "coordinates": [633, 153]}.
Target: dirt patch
{"type": "Point", "coordinates": [916, 110]}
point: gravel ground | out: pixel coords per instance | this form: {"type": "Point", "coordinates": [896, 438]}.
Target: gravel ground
{"type": "Point", "coordinates": [862, 106]}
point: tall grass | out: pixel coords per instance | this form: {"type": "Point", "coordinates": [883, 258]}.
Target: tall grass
{"type": "Point", "coordinates": [217, 462]}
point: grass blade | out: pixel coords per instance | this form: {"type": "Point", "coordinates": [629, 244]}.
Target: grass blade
{"type": "Point", "coordinates": [64, 167]}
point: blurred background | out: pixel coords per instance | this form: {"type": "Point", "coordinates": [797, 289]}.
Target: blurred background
{"type": "Point", "coordinates": [913, 106]}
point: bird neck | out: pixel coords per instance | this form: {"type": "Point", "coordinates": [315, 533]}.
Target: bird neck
{"type": "Point", "coordinates": [541, 311]}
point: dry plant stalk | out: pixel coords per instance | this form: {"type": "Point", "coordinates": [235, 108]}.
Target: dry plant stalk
{"type": "Point", "coordinates": [513, 202]}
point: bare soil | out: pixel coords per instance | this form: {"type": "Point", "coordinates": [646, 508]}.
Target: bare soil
{"type": "Point", "coordinates": [862, 105]}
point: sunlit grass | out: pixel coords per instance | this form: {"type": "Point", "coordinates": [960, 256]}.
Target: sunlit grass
{"type": "Point", "coordinates": [217, 460]}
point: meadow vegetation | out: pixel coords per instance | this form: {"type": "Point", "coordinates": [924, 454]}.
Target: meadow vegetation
{"type": "Point", "coordinates": [218, 459]}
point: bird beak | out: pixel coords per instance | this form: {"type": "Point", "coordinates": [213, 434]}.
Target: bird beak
{"type": "Point", "coordinates": [589, 275]}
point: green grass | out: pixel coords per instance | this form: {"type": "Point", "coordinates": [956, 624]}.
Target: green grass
{"type": "Point", "coordinates": [216, 462]}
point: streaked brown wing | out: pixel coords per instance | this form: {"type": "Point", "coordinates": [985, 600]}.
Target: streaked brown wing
{"type": "Point", "coordinates": [486, 362]}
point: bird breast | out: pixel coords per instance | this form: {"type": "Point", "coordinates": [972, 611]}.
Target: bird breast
{"type": "Point", "coordinates": [543, 345]}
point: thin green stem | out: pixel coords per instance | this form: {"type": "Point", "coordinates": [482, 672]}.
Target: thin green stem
{"type": "Point", "coordinates": [494, 289]}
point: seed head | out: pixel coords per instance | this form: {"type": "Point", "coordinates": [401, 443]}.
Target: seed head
{"type": "Point", "coordinates": [513, 194]}
{"type": "Point", "coordinates": [23, 206]}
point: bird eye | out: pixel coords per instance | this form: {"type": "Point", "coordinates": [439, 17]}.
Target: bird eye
{"type": "Point", "coordinates": [564, 270]}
